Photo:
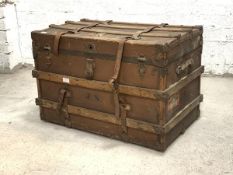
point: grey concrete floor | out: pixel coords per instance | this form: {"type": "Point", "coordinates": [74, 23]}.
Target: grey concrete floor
{"type": "Point", "coordinates": [31, 146]}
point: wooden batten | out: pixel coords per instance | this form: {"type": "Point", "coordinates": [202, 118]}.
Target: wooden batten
{"type": "Point", "coordinates": [132, 123]}
{"type": "Point", "coordinates": [124, 89]}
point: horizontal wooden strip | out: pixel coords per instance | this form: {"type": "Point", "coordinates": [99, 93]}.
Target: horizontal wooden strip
{"type": "Point", "coordinates": [98, 85]}
{"type": "Point", "coordinates": [137, 24]}
{"type": "Point", "coordinates": [106, 117]}
{"type": "Point", "coordinates": [116, 25]}
{"type": "Point", "coordinates": [101, 116]}
{"type": "Point", "coordinates": [183, 81]}
{"type": "Point", "coordinates": [182, 114]}
{"type": "Point", "coordinates": [124, 89]}
{"type": "Point", "coordinates": [96, 30]}
{"type": "Point", "coordinates": [132, 123]}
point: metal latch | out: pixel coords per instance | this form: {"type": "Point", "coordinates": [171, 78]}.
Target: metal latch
{"type": "Point", "coordinates": [185, 67]}
{"type": "Point", "coordinates": [90, 67]}
{"type": "Point", "coordinates": [141, 66]}
{"type": "Point", "coordinates": [48, 55]}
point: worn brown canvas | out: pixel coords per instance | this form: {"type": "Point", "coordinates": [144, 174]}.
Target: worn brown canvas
{"type": "Point", "coordinates": [139, 83]}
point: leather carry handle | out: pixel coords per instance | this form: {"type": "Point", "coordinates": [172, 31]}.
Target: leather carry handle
{"type": "Point", "coordinates": [186, 67]}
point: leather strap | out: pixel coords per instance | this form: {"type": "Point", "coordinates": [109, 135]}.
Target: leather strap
{"type": "Point", "coordinates": [57, 41]}
{"type": "Point", "coordinates": [120, 106]}
{"type": "Point", "coordinates": [124, 108]}
{"type": "Point", "coordinates": [113, 81]}
{"type": "Point", "coordinates": [58, 36]}
{"type": "Point", "coordinates": [119, 56]}
{"type": "Point", "coordinates": [89, 26]}
{"type": "Point", "coordinates": [136, 36]}
{"type": "Point", "coordinates": [107, 22]}
{"type": "Point", "coordinates": [62, 107]}
{"type": "Point", "coordinates": [61, 98]}
{"type": "Point", "coordinates": [120, 109]}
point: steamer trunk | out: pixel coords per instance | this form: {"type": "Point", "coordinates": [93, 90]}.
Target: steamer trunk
{"type": "Point", "coordinates": [139, 83]}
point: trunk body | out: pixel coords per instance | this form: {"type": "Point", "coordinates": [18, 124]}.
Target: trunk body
{"type": "Point", "coordinates": [139, 83]}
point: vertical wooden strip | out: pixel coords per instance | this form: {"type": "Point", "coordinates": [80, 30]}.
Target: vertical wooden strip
{"type": "Point", "coordinates": [162, 103]}
{"type": "Point", "coordinates": [35, 52]}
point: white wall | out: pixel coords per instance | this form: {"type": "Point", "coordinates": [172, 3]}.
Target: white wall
{"type": "Point", "coordinates": [10, 54]}
{"type": "Point", "coordinates": [215, 15]}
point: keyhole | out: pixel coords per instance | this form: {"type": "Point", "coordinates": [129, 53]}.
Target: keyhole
{"type": "Point", "coordinates": [91, 47]}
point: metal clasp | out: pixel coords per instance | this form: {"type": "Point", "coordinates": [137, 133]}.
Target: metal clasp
{"type": "Point", "coordinates": [185, 67]}
{"type": "Point", "coordinates": [141, 66]}
{"type": "Point", "coordinates": [90, 67]}
{"type": "Point", "coordinates": [48, 55]}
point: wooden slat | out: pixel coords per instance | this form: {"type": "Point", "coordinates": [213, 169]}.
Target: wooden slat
{"type": "Point", "coordinates": [96, 30]}
{"type": "Point", "coordinates": [98, 85]}
{"type": "Point", "coordinates": [136, 124]}
{"type": "Point", "coordinates": [132, 123]}
{"type": "Point", "coordinates": [182, 114]}
{"type": "Point", "coordinates": [101, 116]}
{"type": "Point", "coordinates": [145, 126]}
{"type": "Point", "coordinates": [93, 114]}
{"type": "Point", "coordinates": [124, 89]}
{"type": "Point", "coordinates": [137, 26]}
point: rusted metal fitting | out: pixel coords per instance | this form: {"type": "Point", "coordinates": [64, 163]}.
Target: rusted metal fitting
{"type": "Point", "coordinates": [126, 107]}
{"type": "Point", "coordinates": [35, 74]}
{"type": "Point", "coordinates": [38, 101]}
{"type": "Point", "coordinates": [113, 85]}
